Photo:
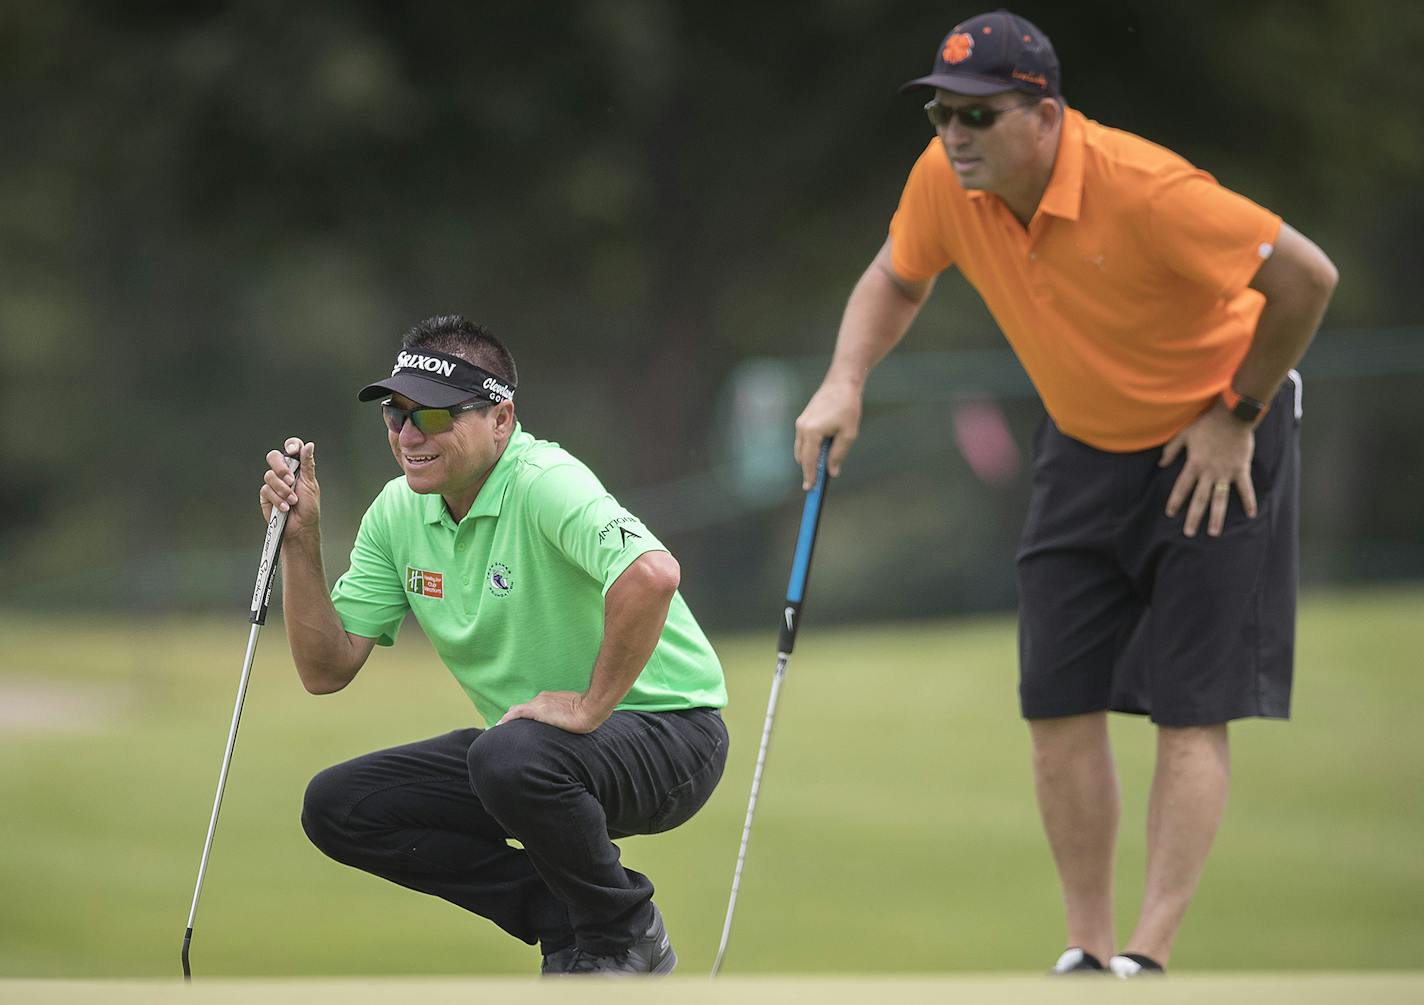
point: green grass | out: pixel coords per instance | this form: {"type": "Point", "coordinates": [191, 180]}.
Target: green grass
{"type": "Point", "coordinates": [1316, 988]}
{"type": "Point", "coordinates": [896, 832]}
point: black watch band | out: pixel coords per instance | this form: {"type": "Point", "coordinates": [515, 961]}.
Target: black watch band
{"type": "Point", "coordinates": [1245, 408]}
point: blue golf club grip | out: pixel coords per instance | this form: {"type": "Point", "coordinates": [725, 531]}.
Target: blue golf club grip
{"type": "Point", "coordinates": [805, 544]}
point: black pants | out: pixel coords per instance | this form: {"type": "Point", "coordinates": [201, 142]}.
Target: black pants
{"type": "Point", "coordinates": [436, 816]}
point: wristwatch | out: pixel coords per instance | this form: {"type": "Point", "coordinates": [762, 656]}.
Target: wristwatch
{"type": "Point", "coordinates": [1246, 409]}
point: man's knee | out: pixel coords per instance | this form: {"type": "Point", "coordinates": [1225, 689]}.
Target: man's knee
{"type": "Point", "coordinates": [326, 808]}
{"type": "Point", "coordinates": [1187, 744]}
{"type": "Point", "coordinates": [1063, 736]}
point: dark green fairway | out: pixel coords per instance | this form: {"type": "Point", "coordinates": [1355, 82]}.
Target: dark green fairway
{"type": "Point", "coordinates": [896, 832]}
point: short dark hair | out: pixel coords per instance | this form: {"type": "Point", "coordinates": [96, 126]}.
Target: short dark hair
{"type": "Point", "coordinates": [472, 342]}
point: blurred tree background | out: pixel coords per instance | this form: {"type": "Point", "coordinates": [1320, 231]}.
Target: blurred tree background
{"type": "Point", "coordinates": [216, 219]}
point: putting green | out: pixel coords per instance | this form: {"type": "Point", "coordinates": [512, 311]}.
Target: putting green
{"type": "Point", "coordinates": [991, 989]}
{"type": "Point", "coordinates": [896, 834]}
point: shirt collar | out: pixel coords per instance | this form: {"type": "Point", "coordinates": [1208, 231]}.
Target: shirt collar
{"type": "Point", "coordinates": [1064, 194]}
{"type": "Point", "coordinates": [491, 498]}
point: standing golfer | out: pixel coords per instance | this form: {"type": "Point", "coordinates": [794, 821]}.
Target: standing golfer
{"type": "Point", "coordinates": [1158, 315]}
{"type": "Point", "coordinates": [557, 611]}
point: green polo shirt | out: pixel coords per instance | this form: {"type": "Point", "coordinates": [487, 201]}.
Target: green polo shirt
{"type": "Point", "coordinates": [512, 595]}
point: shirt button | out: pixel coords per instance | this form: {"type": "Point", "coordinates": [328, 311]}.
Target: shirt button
{"type": "Point", "coordinates": [1033, 256]}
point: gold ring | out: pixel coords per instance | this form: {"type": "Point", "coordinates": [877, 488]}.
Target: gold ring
{"type": "Point", "coordinates": [1221, 488]}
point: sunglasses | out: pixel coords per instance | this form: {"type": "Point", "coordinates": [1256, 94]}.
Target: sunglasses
{"type": "Point", "coordinates": [970, 116]}
{"type": "Point", "coordinates": [427, 420]}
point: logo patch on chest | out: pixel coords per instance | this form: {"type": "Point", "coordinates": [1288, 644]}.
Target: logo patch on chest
{"type": "Point", "coordinates": [499, 579]}
{"type": "Point", "coordinates": [424, 583]}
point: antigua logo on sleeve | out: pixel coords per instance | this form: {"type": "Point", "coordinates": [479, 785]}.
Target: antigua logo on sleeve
{"type": "Point", "coordinates": [500, 581]}
{"type": "Point", "coordinates": [424, 583]}
{"type": "Point", "coordinates": [617, 523]}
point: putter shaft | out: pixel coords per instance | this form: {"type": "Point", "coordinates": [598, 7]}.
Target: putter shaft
{"type": "Point", "coordinates": [791, 621]}
{"type": "Point", "coordinates": [217, 798]}
{"type": "Point", "coordinates": [261, 597]}
{"type": "Point", "coordinates": [781, 660]}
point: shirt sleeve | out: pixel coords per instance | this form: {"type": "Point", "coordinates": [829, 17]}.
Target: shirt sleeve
{"type": "Point", "coordinates": [1210, 234]}
{"type": "Point", "coordinates": [919, 247]}
{"type": "Point", "coordinates": [579, 517]}
{"type": "Point", "coordinates": [370, 596]}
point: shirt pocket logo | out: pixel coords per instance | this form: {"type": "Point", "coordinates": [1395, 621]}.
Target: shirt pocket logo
{"type": "Point", "coordinates": [500, 580]}
{"type": "Point", "coordinates": [424, 583]}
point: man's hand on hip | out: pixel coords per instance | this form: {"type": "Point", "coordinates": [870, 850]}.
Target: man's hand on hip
{"type": "Point", "coordinates": [1219, 448]}
{"type": "Point", "coordinates": [568, 710]}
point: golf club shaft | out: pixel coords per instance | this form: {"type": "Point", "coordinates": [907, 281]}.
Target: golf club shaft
{"type": "Point", "coordinates": [222, 784]}
{"type": "Point", "coordinates": [781, 660]}
{"type": "Point", "coordinates": [261, 596]}
{"type": "Point", "coordinates": [791, 621]}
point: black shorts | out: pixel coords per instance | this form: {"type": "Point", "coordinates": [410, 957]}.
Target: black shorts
{"type": "Point", "coordinates": [1119, 610]}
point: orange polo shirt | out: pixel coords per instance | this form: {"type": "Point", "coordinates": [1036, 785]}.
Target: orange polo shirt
{"type": "Point", "coordinates": [1126, 298]}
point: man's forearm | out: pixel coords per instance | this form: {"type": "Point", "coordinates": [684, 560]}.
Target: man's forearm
{"type": "Point", "coordinates": [634, 612]}
{"type": "Point", "coordinates": [1297, 282]}
{"type": "Point", "coordinates": [322, 651]}
{"type": "Point", "coordinates": [877, 315]}
{"type": "Point", "coordinates": [1282, 335]}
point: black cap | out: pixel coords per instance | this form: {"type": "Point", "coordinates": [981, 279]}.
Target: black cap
{"type": "Point", "coordinates": [993, 53]}
{"type": "Point", "coordinates": [438, 380]}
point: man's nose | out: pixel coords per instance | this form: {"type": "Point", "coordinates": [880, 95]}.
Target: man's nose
{"type": "Point", "coordinates": [409, 435]}
{"type": "Point", "coordinates": [954, 134]}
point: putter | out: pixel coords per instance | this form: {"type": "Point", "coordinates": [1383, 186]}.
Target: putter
{"type": "Point", "coordinates": [790, 621]}
{"type": "Point", "coordinates": [261, 596]}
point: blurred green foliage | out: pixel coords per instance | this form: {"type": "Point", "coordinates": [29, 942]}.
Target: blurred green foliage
{"type": "Point", "coordinates": [216, 218]}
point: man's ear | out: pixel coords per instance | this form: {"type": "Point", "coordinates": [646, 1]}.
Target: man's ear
{"type": "Point", "coordinates": [1049, 114]}
{"type": "Point", "coordinates": [504, 419]}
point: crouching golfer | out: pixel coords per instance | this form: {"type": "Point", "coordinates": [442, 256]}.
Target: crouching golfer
{"type": "Point", "coordinates": [557, 611]}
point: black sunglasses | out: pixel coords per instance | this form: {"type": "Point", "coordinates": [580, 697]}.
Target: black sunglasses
{"type": "Point", "coordinates": [970, 116]}
{"type": "Point", "coordinates": [427, 420]}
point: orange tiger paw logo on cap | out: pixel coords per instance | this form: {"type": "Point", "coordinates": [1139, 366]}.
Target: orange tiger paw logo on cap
{"type": "Point", "coordinates": [958, 47]}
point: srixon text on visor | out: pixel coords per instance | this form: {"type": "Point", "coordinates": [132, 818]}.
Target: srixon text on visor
{"type": "Point", "coordinates": [410, 361]}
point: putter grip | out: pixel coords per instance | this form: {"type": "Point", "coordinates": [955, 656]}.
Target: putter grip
{"type": "Point", "coordinates": [805, 545]}
{"type": "Point", "coordinates": [271, 547]}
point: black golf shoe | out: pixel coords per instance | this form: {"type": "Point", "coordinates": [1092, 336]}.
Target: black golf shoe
{"type": "Point", "coordinates": [651, 954]}
{"type": "Point", "coordinates": [558, 962]}
{"type": "Point", "coordinates": [1129, 965]}
{"type": "Point", "coordinates": [1077, 961]}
